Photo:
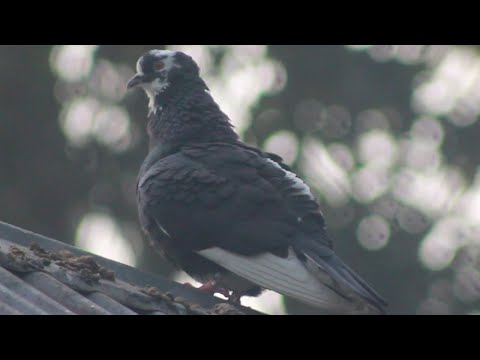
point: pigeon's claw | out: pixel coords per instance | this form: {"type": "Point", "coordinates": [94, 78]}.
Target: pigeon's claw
{"type": "Point", "coordinates": [235, 298]}
{"type": "Point", "coordinates": [211, 287]}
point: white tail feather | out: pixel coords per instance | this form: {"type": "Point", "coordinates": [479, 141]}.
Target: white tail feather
{"type": "Point", "coordinates": [287, 276]}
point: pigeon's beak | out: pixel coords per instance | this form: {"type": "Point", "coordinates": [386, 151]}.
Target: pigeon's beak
{"type": "Point", "coordinates": [135, 81]}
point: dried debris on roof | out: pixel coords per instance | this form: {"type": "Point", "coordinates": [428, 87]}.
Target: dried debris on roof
{"type": "Point", "coordinates": [86, 266]}
{"type": "Point", "coordinates": [37, 281]}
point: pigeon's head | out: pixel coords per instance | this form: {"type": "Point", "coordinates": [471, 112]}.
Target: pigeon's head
{"type": "Point", "coordinates": [157, 70]}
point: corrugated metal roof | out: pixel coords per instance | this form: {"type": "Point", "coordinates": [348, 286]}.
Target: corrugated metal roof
{"type": "Point", "coordinates": [41, 276]}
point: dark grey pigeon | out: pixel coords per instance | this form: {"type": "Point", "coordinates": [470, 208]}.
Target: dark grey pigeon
{"type": "Point", "coordinates": [233, 217]}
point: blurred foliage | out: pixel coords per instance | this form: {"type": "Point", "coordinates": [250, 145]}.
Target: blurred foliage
{"type": "Point", "coordinates": [386, 135]}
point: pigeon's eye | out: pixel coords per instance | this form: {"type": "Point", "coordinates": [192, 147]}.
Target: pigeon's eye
{"type": "Point", "coordinates": [159, 65]}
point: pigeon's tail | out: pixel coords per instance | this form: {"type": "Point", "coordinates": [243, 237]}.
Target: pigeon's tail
{"type": "Point", "coordinates": [288, 276]}
{"type": "Point", "coordinates": [334, 273]}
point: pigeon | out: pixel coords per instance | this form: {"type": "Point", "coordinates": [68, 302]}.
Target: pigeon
{"type": "Point", "coordinates": [233, 217]}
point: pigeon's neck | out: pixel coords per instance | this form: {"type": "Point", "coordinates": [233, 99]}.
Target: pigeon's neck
{"type": "Point", "coordinates": [188, 115]}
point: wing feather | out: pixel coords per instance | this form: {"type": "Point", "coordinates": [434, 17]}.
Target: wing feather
{"type": "Point", "coordinates": [287, 276]}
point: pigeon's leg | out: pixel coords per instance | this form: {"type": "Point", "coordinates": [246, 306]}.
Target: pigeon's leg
{"type": "Point", "coordinates": [210, 287]}
{"type": "Point", "coordinates": [235, 298]}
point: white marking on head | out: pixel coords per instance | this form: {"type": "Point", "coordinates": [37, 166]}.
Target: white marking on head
{"type": "Point", "coordinates": [138, 67]}
{"type": "Point", "coordinates": [152, 89]}
{"type": "Point", "coordinates": [158, 85]}
{"type": "Point", "coordinates": [160, 53]}
{"type": "Point", "coordinates": [167, 56]}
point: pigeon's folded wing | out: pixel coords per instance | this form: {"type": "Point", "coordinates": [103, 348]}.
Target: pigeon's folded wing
{"type": "Point", "coordinates": [245, 211]}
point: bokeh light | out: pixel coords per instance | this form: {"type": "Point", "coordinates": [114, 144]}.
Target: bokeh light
{"type": "Point", "coordinates": [99, 233]}
{"type": "Point", "coordinates": [373, 232]}
{"type": "Point", "coordinates": [283, 143]}
{"type": "Point", "coordinates": [72, 62]}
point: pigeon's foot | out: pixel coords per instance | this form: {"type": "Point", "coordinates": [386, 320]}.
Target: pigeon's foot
{"type": "Point", "coordinates": [235, 298]}
{"type": "Point", "coordinates": [211, 287]}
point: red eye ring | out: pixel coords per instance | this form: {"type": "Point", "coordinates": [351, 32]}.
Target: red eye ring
{"type": "Point", "coordinates": [159, 65]}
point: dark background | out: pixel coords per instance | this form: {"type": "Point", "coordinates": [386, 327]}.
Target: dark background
{"type": "Point", "coordinates": [386, 135]}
